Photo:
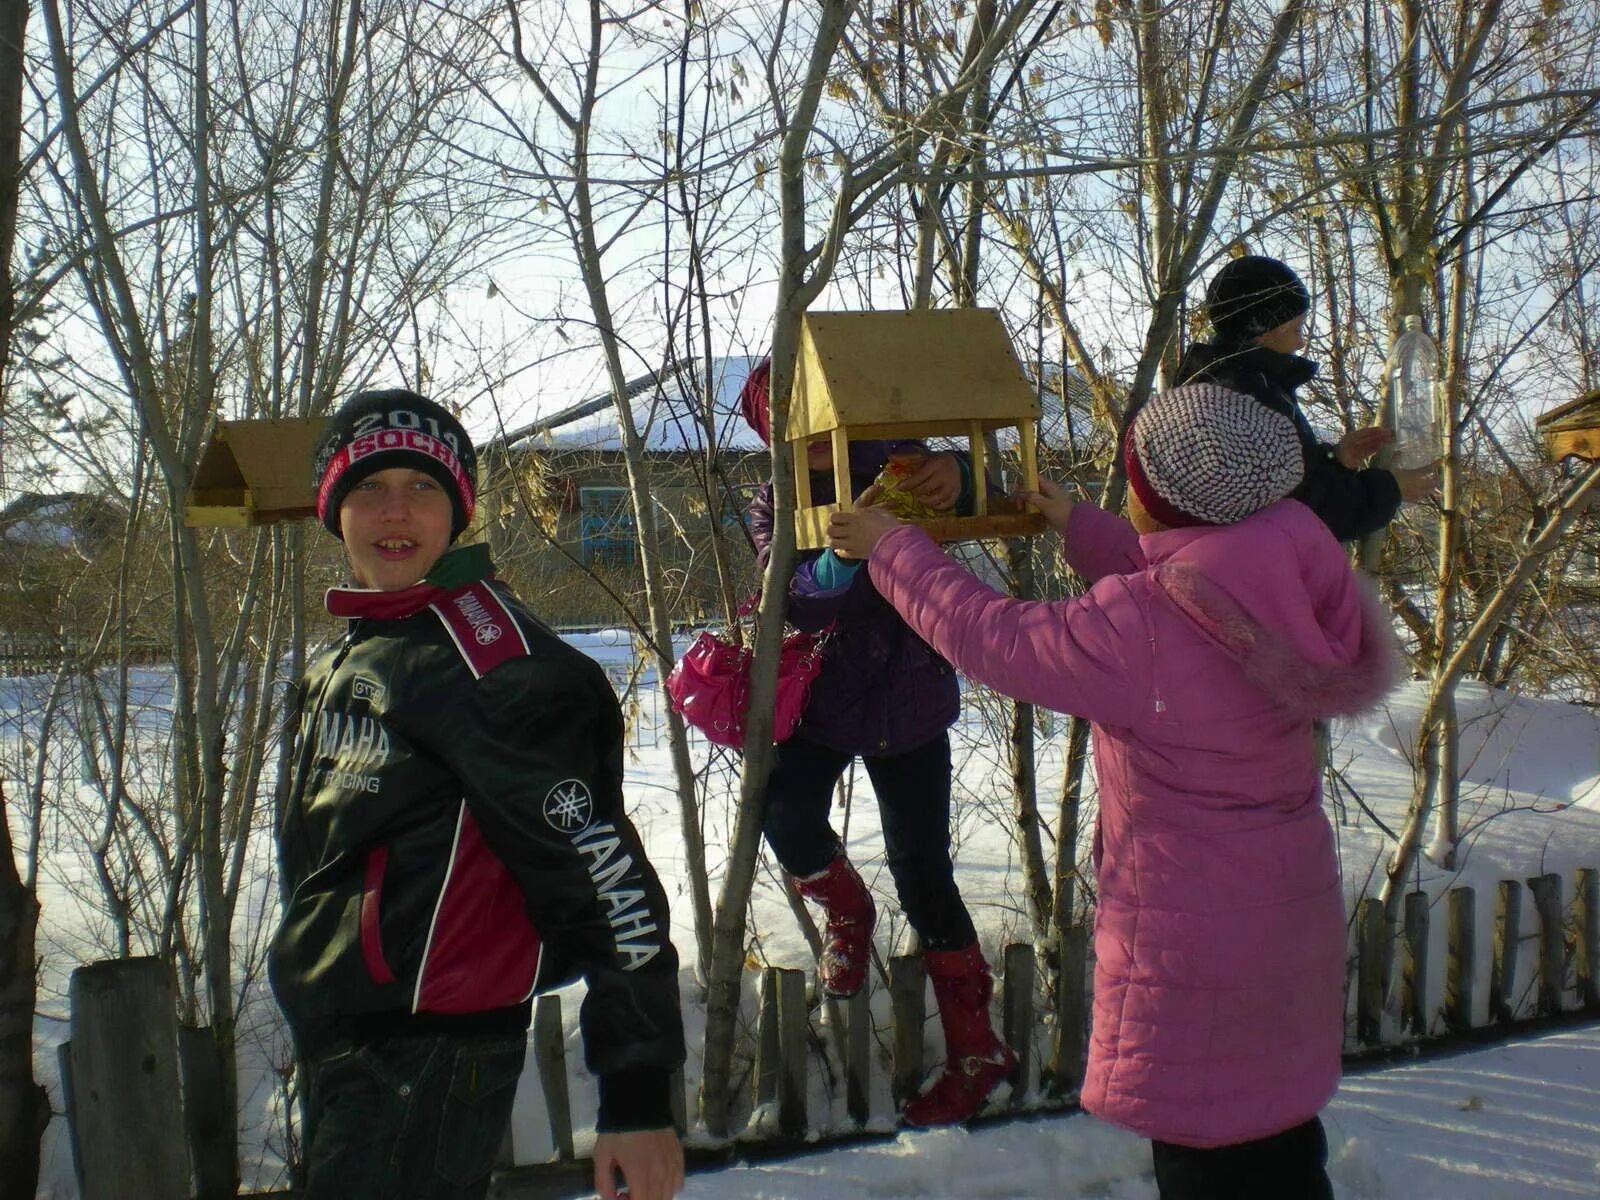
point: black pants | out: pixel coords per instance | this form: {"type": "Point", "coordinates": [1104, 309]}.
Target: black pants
{"type": "Point", "coordinates": [1286, 1166]}
{"type": "Point", "coordinates": [914, 805]}
{"type": "Point", "coordinates": [409, 1118]}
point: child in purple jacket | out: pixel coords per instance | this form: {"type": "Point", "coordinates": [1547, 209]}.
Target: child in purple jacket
{"type": "Point", "coordinates": [1221, 623]}
{"type": "Point", "coordinates": [884, 696]}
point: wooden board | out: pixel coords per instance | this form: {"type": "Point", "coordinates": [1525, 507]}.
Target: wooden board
{"type": "Point", "coordinates": [1582, 413]}
{"type": "Point", "coordinates": [914, 373]}
{"type": "Point", "coordinates": [811, 526]}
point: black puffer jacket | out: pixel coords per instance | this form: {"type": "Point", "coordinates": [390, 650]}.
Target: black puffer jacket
{"type": "Point", "coordinates": [1351, 504]}
{"type": "Point", "coordinates": [455, 841]}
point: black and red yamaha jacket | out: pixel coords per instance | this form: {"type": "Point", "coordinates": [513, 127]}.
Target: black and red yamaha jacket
{"type": "Point", "coordinates": [454, 839]}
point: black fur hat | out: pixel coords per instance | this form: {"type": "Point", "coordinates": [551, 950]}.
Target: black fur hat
{"type": "Point", "coordinates": [1254, 295]}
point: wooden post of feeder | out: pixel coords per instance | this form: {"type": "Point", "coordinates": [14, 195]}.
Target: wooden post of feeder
{"type": "Point", "coordinates": [980, 470]}
{"type": "Point", "coordinates": [841, 470]}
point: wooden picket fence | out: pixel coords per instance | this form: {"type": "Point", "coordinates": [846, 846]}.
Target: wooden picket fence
{"type": "Point", "coordinates": [119, 1031]}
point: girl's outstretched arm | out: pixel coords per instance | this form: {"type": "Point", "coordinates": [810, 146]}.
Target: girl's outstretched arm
{"type": "Point", "coordinates": [1089, 655]}
{"type": "Point", "coordinates": [1096, 543]}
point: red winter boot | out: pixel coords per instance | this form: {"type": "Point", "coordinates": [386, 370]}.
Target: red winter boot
{"type": "Point", "coordinates": [848, 938]}
{"type": "Point", "coordinates": [975, 1059]}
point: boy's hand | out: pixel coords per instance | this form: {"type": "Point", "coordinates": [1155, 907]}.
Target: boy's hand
{"type": "Point", "coordinates": [936, 481]}
{"type": "Point", "coordinates": [1051, 503]}
{"type": "Point", "coordinates": [854, 534]}
{"type": "Point", "coordinates": [1417, 483]}
{"type": "Point", "coordinates": [651, 1162]}
{"type": "Point", "coordinates": [1358, 445]}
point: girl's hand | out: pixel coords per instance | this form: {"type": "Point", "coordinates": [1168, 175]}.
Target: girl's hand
{"type": "Point", "coordinates": [854, 534]}
{"type": "Point", "coordinates": [1417, 483]}
{"type": "Point", "coordinates": [1358, 445]}
{"type": "Point", "coordinates": [936, 481]}
{"type": "Point", "coordinates": [1052, 503]}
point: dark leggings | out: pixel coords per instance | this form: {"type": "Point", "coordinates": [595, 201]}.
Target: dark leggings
{"type": "Point", "coordinates": [1286, 1166]}
{"type": "Point", "coordinates": [914, 805]}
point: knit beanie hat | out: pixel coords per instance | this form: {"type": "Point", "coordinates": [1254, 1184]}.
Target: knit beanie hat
{"type": "Point", "coordinates": [1253, 295]}
{"type": "Point", "coordinates": [1205, 455]}
{"type": "Point", "coordinates": [755, 400]}
{"type": "Point", "coordinates": [394, 428]}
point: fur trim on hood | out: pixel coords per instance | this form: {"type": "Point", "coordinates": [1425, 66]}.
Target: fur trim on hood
{"type": "Point", "coordinates": [1270, 662]}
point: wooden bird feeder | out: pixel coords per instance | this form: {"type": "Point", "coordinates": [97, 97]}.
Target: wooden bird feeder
{"type": "Point", "coordinates": [891, 376]}
{"type": "Point", "coordinates": [1572, 430]}
{"type": "Point", "coordinates": [255, 473]}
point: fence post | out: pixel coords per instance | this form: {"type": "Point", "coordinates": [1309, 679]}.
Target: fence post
{"type": "Point", "coordinates": [679, 1098]}
{"type": "Point", "coordinates": [1072, 1017]}
{"type": "Point", "coordinates": [1017, 1015]}
{"type": "Point", "coordinates": [858, 1055]}
{"type": "Point", "coordinates": [211, 1139]}
{"type": "Point", "coordinates": [1462, 959]}
{"type": "Point", "coordinates": [794, 1022]}
{"type": "Point", "coordinates": [127, 1118]}
{"type": "Point", "coordinates": [1414, 965]}
{"type": "Point", "coordinates": [1507, 935]}
{"type": "Point", "coordinates": [1369, 971]}
{"type": "Point", "coordinates": [550, 1052]}
{"type": "Point", "coordinates": [1586, 903]}
{"type": "Point", "coordinates": [765, 1075]}
{"type": "Point", "coordinates": [1546, 890]}
{"type": "Point", "coordinates": [907, 1002]}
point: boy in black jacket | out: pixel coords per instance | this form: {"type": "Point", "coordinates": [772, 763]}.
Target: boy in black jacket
{"type": "Point", "coordinates": [1258, 307]}
{"type": "Point", "coordinates": [454, 842]}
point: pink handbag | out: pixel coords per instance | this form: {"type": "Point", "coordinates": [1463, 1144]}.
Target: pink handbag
{"type": "Point", "coordinates": [710, 686]}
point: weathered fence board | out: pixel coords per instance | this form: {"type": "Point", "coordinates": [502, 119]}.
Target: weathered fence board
{"type": "Point", "coordinates": [1369, 971]}
{"type": "Point", "coordinates": [907, 999]}
{"type": "Point", "coordinates": [1507, 941]}
{"type": "Point", "coordinates": [858, 1055]}
{"type": "Point", "coordinates": [211, 1136]}
{"type": "Point", "coordinates": [1414, 1011]}
{"type": "Point", "coordinates": [1071, 1046]}
{"type": "Point", "coordinates": [1546, 892]}
{"type": "Point", "coordinates": [127, 1118]}
{"type": "Point", "coordinates": [794, 1026]}
{"type": "Point", "coordinates": [1018, 1015]}
{"type": "Point", "coordinates": [1586, 937]}
{"type": "Point", "coordinates": [1461, 959]}
{"type": "Point", "coordinates": [764, 1078]}
{"type": "Point", "coordinates": [550, 1052]}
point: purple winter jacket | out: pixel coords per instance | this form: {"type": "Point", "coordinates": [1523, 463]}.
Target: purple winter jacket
{"type": "Point", "coordinates": [881, 690]}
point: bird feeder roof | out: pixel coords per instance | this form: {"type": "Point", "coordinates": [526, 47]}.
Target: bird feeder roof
{"type": "Point", "coordinates": [1572, 430]}
{"type": "Point", "coordinates": [256, 473]}
{"type": "Point", "coordinates": [926, 373]}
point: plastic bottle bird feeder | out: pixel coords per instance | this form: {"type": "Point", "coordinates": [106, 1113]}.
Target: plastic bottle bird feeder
{"type": "Point", "coordinates": [255, 473]}
{"type": "Point", "coordinates": [892, 376]}
{"type": "Point", "coordinates": [1572, 430]}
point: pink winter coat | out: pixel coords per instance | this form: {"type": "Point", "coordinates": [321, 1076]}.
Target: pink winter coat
{"type": "Point", "coordinates": [1201, 656]}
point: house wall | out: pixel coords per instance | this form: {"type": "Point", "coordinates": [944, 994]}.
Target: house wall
{"type": "Point", "coordinates": [563, 532]}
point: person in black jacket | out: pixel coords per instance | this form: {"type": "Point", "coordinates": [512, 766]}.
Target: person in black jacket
{"type": "Point", "coordinates": [1258, 307]}
{"type": "Point", "coordinates": [453, 842]}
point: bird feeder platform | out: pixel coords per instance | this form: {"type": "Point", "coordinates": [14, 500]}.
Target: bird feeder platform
{"type": "Point", "coordinates": [255, 473]}
{"type": "Point", "coordinates": [910, 376]}
{"type": "Point", "coordinates": [1572, 430]}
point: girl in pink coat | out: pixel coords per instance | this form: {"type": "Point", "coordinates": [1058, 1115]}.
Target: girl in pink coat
{"type": "Point", "coordinates": [1221, 623]}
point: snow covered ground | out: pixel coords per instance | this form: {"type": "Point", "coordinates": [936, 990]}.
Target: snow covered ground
{"type": "Point", "coordinates": [1519, 1121]}
{"type": "Point", "coordinates": [1464, 1127]}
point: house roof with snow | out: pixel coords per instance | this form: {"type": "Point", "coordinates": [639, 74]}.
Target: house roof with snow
{"type": "Point", "coordinates": [668, 408]}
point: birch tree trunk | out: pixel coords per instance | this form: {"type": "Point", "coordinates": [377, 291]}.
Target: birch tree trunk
{"type": "Point", "coordinates": [578, 125]}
